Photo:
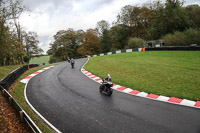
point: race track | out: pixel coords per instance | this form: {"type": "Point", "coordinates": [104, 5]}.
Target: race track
{"type": "Point", "coordinates": [72, 103]}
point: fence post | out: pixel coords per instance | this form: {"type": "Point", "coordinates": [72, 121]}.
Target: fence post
{"type": "Point", "coordinates": [3, 91]}
{"type": "Point", "coordinates": [10, 100]}
{"type": "Point", "coordinates": [21, 113]}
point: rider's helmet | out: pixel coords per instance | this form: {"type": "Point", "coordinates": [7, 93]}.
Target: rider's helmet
{"type": "Point", "coordinates": [109, 78]}
{"type": "Point", "coordinates": [72, 60]}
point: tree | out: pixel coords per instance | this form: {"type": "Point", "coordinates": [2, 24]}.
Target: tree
{"type": "Point", "coordinates": [11, 33]}
{"type": "Point", "coordinates": [168, 19]}
{"type": "Point", "coordinates": [102, 26]}
{"type": "Point", "coordinates": [66, 44]}
{"type": "Point", "coordinates": [193, 11]}
{"type": "Point", "coordinates": [16, 9]}
{"type": "Point", "coordinates": [31, 44]}
{"type": "Point", "coordinates": [136, 18]}
{"type": "Point", "coordinates": [91, 44]}
{"type": "Point", "coordinates": [105, 41]}
{"type": "Point", "coordinates": [119, 36]}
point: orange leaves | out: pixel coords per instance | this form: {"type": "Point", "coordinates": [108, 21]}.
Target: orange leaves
{"type": "Point", "coordinates": [9, 118]}
{"type": "Point", "coordinates": [91, 43]}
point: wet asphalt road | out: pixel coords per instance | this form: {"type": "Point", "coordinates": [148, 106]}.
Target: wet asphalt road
{"type": "Point", "coordinates": [72, 103]}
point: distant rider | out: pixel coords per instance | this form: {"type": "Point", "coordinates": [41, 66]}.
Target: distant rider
{"type": "Point", "coordinates": [72, 62]}
{"type": "Point", "coordinates": [68, 59]}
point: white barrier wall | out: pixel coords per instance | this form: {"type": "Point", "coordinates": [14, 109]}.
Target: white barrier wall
{"type": "Point", "coordinates": [109, 53]}
{"type": "Point", "coordinates": [139, 49]}
{"type": "Point", "coordinates": [117, 52]}
{"type": "Point", "coordinates": [129, 50]}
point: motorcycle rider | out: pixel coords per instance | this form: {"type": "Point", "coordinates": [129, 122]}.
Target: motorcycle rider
{"type": "Point", "coordinates": [68, 59]}
{"type": "Point", "coordinates": [108, 78]}
{"type": "Point", "coordinates": [72, 62]}
{"type": "Point", "coordinates": [106, 85]}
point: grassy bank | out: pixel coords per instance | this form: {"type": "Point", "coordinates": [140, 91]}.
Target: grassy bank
{"type": "Point", "coordinates": [40, 60]}
{"type": "Point", "coordinates": [168, 73]}
{"type": "Point", "coordinates": [5, 70]}
{"type": "Point", "coordinates": [17, 91]}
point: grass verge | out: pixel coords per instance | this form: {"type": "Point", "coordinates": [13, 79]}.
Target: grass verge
{"type": "Point", "coordinates": [5, 70]}
{"type": "Point", "coordinates": [17, 91]}
{"type": "Point", "coordinates": [168, 73]}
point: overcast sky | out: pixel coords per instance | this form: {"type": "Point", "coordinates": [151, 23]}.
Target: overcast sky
{"type": "Point", "coordinates": [49, 16]}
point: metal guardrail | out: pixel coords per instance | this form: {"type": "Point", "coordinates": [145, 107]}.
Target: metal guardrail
{"type": "Point", "coordinates": [23, 115]}
{"type": "Point", "coordinates": [4, 86]}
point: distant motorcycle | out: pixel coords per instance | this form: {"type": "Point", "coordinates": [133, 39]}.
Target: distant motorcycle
{"type": "Point", "coordinates": [106, 87]}
{"type": "Point", "coordinates": [72, 63]}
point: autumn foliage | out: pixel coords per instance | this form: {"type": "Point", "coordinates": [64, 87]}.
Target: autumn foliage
{"type": "Point", "coordinates": [90, 44]}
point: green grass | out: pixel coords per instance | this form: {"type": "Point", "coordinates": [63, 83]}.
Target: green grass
{"type": "Point", "coordinates": [40, 60]}
{"type": "Point", "coordinates": [168, 73]}
{"type": "Point", "coordinates": [18, 94]}
{"type": "Point", "coordinates": [5, 70]}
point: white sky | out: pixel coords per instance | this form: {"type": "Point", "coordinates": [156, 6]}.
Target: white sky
{"type": "Point", "coordinates": [47, 17]}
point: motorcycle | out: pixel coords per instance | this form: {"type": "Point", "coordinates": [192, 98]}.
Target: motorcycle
{"type": "Point", "coordinates": [72, 64]}
{"type": "Point", "coordinates": [105, 87]}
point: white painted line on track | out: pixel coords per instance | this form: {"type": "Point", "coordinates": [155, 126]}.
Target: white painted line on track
{"type": "Point", "coordinates": [45, 120]}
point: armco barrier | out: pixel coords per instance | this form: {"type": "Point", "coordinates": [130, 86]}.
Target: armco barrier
{"type": "Point", "coordinates": [4, 86]}
{"type": "Point", "coordinates": [23, 115]}
{"type": "Point", "coordinates": [10, 79]}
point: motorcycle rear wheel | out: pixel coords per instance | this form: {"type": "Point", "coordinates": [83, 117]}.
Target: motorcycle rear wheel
{"type": "Point", "coordinates": [110, 92]}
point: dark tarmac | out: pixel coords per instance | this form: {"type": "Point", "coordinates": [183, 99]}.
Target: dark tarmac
{"type": "Point", "coordinates": [72, 103]}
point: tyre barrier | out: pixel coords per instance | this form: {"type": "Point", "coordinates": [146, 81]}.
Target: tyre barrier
{"type": "Point", "coordinates": [165, 48]}
{"type": "Point", "coordinates": [118, 52]}
{"type": "Point", "coordinates": [174, 48]}
{"type": "Point", "coordinates": [10, 78]}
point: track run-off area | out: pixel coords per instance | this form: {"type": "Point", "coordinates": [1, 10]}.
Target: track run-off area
{"type": "Point", "coordinates": [71, 102]}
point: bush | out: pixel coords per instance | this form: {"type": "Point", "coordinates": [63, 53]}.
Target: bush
{"type": "Point", "coordinates": [186, 38]}
{"type": "Point", "coordinates": [176, 39]}
{"type": "Point", "coordinates": [192, 36]}
{"type": "Point", "coordinates": [135, 43]}
{"type": "Point", "coordinates": [52, 60]}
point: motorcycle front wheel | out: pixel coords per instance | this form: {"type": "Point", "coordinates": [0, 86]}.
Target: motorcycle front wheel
{"type": "Point", "coordinates": [101, 88]}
